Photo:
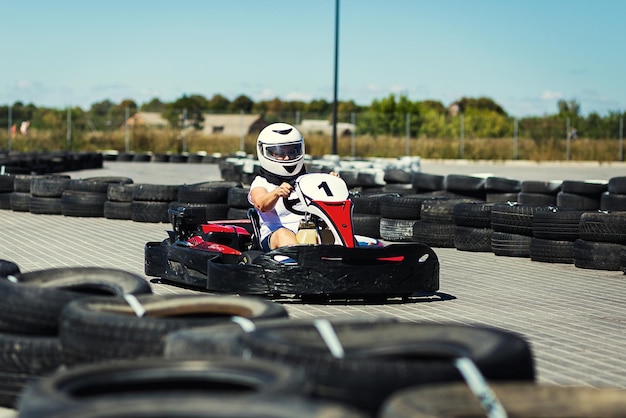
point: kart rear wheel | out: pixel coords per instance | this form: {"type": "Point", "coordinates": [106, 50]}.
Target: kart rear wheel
{"type": "Point", "coordinates": [247, 257]}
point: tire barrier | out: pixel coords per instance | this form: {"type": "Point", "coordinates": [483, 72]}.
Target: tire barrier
{"type": "Point", "coordinates": [31, 305]}
{"type": "Point", "coordinates": [218, 387]}
{"type": "Point", "coordinates": [95, 330]}
{"type": "Point", "coordinates": [362, 362]}
{"type": "Point", "coordinates": [393, 214]}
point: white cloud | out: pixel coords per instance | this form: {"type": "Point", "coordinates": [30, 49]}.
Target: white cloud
{"type": "Point", "coordinates": [298, 96]}
{"type": "Point", "coordinates": [551, 95]}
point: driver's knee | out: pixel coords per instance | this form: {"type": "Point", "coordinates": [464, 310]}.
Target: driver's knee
{"type": "Point", "coordinates": [282, 237]}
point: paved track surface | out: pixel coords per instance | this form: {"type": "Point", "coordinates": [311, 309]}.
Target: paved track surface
{"type": "Point", "coordinates": [574, 319]}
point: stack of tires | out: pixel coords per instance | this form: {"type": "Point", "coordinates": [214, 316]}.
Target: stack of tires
{"type": "Point", "coordinates": [602, 243]}
{"type": "Point", "coordinates": [212, 197]}
{"type": "Point", "coordinates": [437, 226]}
{"type": "Point", "coordinates": [472, 230]}
{"type": "Point", "coordinates": [119, 201]}
{"type": "Point", "coordinates": [151, 202]}
{"type": "Point", "coordinates": [20, 196]}
{"type": "Point", "coordinates": [238, 203]}
{"type": "Point", "coordinates": [6, 188]}
{"type": "Point", "coordinates": [555, 230]}
{"type": "Point", "coordinates": [46, 194]}
{"type": "Point", "coordinates": [360, 363]}
{"type": "Point", "coordinates": [400, 216]}
{"type": "Point", "coordinates": [614, 199]}
{"type": "Point", "coordinates": [581, 195]}
{"type": "Point", "coordinates": [366, 216]}
{"type": "Point", "coordinates": [512, 229]}
{"type": "Point", "coordinates": [86, 197]}
{"type": "Point", "coordinates": [29, 319]}
{"type": "Point", "coordinates": [539, 193]}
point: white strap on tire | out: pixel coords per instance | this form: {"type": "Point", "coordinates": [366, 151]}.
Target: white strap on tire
{"type": "Point", "coordinates": [135, 305]}
{"type": "Point", "coordinates": [479, 387]}
{"type": "Point", "coordinates": [328, 334]}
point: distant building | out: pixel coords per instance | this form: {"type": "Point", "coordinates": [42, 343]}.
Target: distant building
{"type": "Point", "coordinates": [148, 119]}
{"type": "Point", "coordinates": [233, 124]}
{"type": "Point", "coordinates": [325, 127]}
{"type": "Point", "coordinates": [220, 124]}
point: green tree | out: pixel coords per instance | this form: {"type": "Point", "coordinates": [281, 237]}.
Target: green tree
{"type": "Point", "coordinates": [241, 103]}
{"type": "Point", "coordinates": [218, 104]}
{"type": "Point", "coordinates": [154, 105]}
{"type": "Point", "coordinates": [195, 106]}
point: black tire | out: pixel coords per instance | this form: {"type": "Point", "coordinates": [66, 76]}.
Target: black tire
{"type": "Point", "coordinates": [510, 245]}
{"type": "Point", "coordinates": [494, 197]}
{"type": "Point", "coordinates": [513, 218]}
{"type": "Point", "coordinates": [20, 201]}
{"type": "Point", "coordinates": [21, 183]}
{"type": "Point", "coordinates": [603, 227]}
{"type": "Point", "coordinates": [404, 207]}
{"type": "Point", "coordinates": [369, 204]}
{"type": "Point", "coordinates": [613, 202]}
{"type": "Point", "coordinates": [440, 211]}
{"type": "Point", "coordinates": [101, 329]}
{"type": "Point", "coordinates": [366, 225]}
{"type": "Point", "coordinates": [617, 185]}
{"type": "Point", "coordinates": [96, 184]}
{"type": "Point", "coordinates": [552, 251]}
{"type": "Point", "coordinates": [118, 210]}
{"type": "Point", "coordinates": [6, 183]}
{"type": "Point", "coordinates": [438, 235]}
{"type": "Point", "coordinates": [32, 301]}
{"type": "Point", "coordinates": [465, 184]}
{"type": "Point", "coordinates": [380, 357]}
{"type": "Point", "coordinates": [24, 359]}
{"type": "Point", "coordinates": [83, 204]}
{"type": "Point", "coordinates": [472, 239]}
{"type": "Point", "coordinates": [536, 199]}
{"type": "Point", "coordinates": [559, 224]}
{"type": "Point", "coordinates": [238, 198]}
{"type": "Point", "coordinates": [542, 187]}
{"type": "Point", "coordinates": [397, 230]}
{"type": "Point", "coordinates": [120, 192]}
{"type": "Point", "coordinates": [523, 400]}
{"type": "Point", "coordinates": [49, 186]}
{"type": "Point", "coordinates": [5, 200]}
{"type": "Point", "coordinates": [150, 211]}
{"type": "Point", "coordinates": [598, 255]}
{"type": "Point", "coordinates": [502, 185]}
{"type": "Point", "coordinates": [209, 192]}
{"type": "Point", "coordinates": [472, 214]}
{"type": "Point", "coordinates": [428, 182]}
{"type": "Point", "coordinates": [155, 193]}
{"type": "Point", "coordinates": [209, 407]}
{"type": "Point", "coordinates": [148, 381]}
{"type": "Point", "coordinates": [397, 176]}
{"type": "Point", "coordinates": [45, 205]}
{"type": "Point", "coordinates": [584, 187]}
{"type": "Point", "coordinates": [578, 201]}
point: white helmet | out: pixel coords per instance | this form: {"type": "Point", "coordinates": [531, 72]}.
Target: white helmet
{"type": "Point", "coordinates": [280, 149]}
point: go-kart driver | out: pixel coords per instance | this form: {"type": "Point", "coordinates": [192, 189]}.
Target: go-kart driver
{"type": "Point", "coordinates": [280, 150]}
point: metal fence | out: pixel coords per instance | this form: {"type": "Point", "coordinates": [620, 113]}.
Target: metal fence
{"type": "Point", "coordinates": [70, 129]}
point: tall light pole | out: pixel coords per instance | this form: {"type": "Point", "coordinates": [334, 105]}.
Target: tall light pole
{"type": "Point", "coordinates": [334, 147]}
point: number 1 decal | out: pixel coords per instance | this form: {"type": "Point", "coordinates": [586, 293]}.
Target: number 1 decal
{"type": "Point", "coordinates": [324, 185]}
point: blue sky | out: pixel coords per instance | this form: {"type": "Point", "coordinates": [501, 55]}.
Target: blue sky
{"type": "Point", "coordinates": [525, 55]}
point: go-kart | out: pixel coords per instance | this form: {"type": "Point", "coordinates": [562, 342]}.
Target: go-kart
{"type": "Point", "coordinates": [330, 261]}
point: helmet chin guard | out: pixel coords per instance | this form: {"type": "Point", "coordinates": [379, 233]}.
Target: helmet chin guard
{"type": "Point", "coordinates": [280, 149]}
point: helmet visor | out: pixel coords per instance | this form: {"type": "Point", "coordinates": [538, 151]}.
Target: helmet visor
{"type": "Point", "coordinates": [283, 152]}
